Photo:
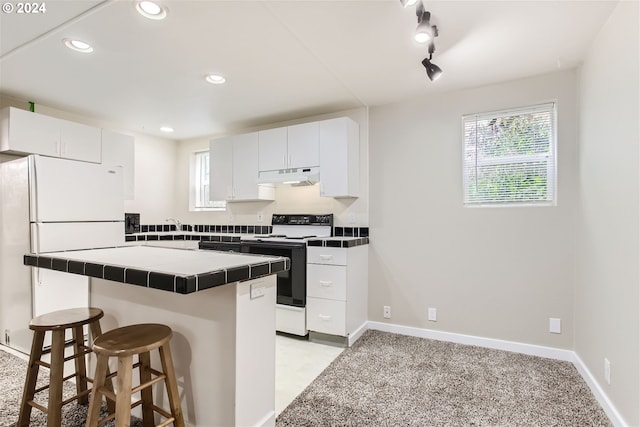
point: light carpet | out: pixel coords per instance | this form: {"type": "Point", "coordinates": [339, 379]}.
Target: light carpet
{"type": "Point", "coordinates": [394, 380]}
{"type": "Point", "coordinates": [12, 375]}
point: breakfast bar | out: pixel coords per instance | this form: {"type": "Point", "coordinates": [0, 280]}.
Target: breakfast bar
{"type": "Point", "coordinates": [220, 306]}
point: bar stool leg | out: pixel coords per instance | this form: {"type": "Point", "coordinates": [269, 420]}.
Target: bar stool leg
{"type": "Point", "coordinates": [102, 366]}
{"type": "Point", "coordinates": [171, 384]}
{"type": "Point", "coordinates": [54, 414]}
{"type": "Point", "coordinates": [81, 365]}
{"type": "Point", "coordinates": [31, 378]}
{"type": "Point", "coordinates": [146, 393]}
{"type": "Point", "coordinates": [123, 398]}
{"type": "Point", "coordinates": [96, 331]}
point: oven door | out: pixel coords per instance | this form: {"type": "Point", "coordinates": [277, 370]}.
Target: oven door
{"type": "Point", "coordinates": [292, 284]}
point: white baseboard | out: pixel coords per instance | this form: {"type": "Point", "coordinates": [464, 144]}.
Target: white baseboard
{"type": "Point", "coordinates": [530, 349]}
{"type": "Point", "coordinates": [516, 347]}
{"type": "Point", "coordinates": [268, 420]}
{"type": "Point", "coordinates": [358, 333]}
{"type": "Point", "coordinates": [598, 392]}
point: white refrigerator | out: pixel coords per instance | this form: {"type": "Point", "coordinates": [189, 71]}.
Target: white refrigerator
{"type": "Point", "coordinates": [50, 204]}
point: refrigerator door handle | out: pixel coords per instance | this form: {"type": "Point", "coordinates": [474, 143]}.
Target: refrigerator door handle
{"type": "Point", "coordinates": [37, 274]}
{"type": "Point", "coordinates": [33, 188]}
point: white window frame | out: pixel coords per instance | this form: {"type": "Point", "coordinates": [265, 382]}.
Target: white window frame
{"type": "Point", "coordinates": [549, 157]}
{"type": "Point", "coordinates": [199, 183]}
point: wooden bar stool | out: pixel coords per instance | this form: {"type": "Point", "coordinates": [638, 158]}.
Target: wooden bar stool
{"type": "Point", "coordinates": [57, 323]}
{"type": "Point", "coordinates": [124, 343]}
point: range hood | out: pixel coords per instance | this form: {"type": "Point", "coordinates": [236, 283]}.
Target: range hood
{"type": "Point", "coordinates": [293, 176]}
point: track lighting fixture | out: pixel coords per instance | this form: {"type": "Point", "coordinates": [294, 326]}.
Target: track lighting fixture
{"type": "Point", "coordinates": [433, 71]}
{"type": "Point", "coordinates": [407, 3]}
{"type": "Point", "coordinates": [425, 33]}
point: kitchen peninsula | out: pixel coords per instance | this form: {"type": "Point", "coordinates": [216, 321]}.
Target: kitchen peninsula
{"type": "Point", "coordinates": [221, 307]}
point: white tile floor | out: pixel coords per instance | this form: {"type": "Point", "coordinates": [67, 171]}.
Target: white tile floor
{"type": "Point", "coordinates": [298, 363]}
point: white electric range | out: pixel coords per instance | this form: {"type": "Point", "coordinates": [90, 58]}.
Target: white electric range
{"type": "Point", "coordinates": [288, 238]}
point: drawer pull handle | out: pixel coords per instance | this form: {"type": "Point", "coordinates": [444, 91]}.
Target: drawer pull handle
{"type": "Point", "coordinates": [326, 257]}
{"type": "Point", "coordinates": [325, 284]}
{"type": "Point", "coordinates": [324, 317]}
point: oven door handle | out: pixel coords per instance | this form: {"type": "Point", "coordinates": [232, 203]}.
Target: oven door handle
{"type": "Point", "coordinates": [325, 283]}
{"type": "Point", "coordinates": [324, 317]}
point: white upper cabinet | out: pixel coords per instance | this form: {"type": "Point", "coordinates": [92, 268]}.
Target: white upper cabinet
{"type": "Point", "coordinates": [339, 158]}
{"type": "Point", "coordinates": [220, 171]}
{"type": "Point", "coordinates": [31, 133]}
{"type": "Point", "coordinates": [245, 166]}
{"type": "Point", "coordinates": [272, 149]}
{"type": "Point", "coordinates": [234, 170]}
{"type": "Point", "coordinates": [80, 142]}
{"type": "Point", "coordinates": [289, 147]}
{"type": "Point", "coordinates": [118, 150]}
{"type": "Point", "coordinates": [302, 145]}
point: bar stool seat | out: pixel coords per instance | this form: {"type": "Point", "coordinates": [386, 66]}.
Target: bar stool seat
{"type": "Point", "coordinates": [124, 343]}
{"type": "Point", "coordinates": [57, 323]}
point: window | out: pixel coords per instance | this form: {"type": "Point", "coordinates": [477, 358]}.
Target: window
{"type": "Point", "coordinates": [200, 184]}
{"type": "Point", "coordinates": [509, 157]}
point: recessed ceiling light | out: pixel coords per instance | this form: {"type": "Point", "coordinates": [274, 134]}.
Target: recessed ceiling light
{"type": "Point", "coordinates": [78, 45]}
{"type": "Point", "coordinates": [151, 10]}
{"type": "Point", "coordinates": [167, 129]}
{"type": "Point", "coordinates": [216, 79]}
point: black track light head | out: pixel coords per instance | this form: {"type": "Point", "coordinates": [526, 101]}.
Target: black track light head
{"type": "Point", "coordinates": [433, 71]}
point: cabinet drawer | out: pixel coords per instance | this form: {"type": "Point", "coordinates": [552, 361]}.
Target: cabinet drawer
{"type": "Point", "coordinates": [322, 255]}
{"type": "Point", "coordinates": [327, 281]}
{"type": "Point", "coordinates": [326, 316]}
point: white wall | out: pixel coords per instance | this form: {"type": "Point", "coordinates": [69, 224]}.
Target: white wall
{"type": "Point", "coordinates": [490, 272]}
{"type": "Point", "coordinates": [607, 298]}
{"type": "Point", "coordinates": [155, 178]}
{"type": "Point", "coordinates": [288, 199]}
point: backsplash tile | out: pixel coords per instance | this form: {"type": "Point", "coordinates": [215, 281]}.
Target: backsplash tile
{"type": "Point", "coordinates": [242, 229]}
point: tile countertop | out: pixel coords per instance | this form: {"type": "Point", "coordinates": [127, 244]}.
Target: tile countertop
{"type": "Point", "coordinates": [181, 271]}
{"type": "Point", "coordinates": [183, 235]}
{"type": "Point", "coordinates": [339, 242]}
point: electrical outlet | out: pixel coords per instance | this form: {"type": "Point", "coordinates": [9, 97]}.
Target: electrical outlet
{"type": "Point", "coordinates": [433, 314]}
{"type": "Point", "coordinates": [232, 217]}
{"type": "Point", "coordinates": [260, 217]}
{"type": "Point", "coordinates": [555, 325]}
{"type": "Point", "coordinates": [386, 312]}
{"type": "Point", "coordinates": [352, 218]}
{"type": "Point", "coordinates": [607, 370]}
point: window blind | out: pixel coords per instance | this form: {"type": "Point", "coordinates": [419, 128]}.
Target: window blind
{"type": "Point", "coordinates": [509, 156]}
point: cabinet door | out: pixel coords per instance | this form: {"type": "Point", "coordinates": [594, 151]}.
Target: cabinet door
{"type": "Point", "coordinates": [220, 172]}
{"type": "Point", "coordinates": [80, 142]}
{"type": "Point", "coordinates": [31, 133]}
{"type": "Point", "coordinates": [245, 166]}
{"type": "Point", "coordinates": [272, 149]}
{"type": "Point", "coordinates": [118, 151]}
{"type": "Point", "coordinates": [326, 316]}
{"type": "Point", "coordinates": [327, 281]}
{"type": "Point", "coordinates": [339, 158]}
{"type": "Point", "coordinates": [303, 145]}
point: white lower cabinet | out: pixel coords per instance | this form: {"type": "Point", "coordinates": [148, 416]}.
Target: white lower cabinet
{"type": "Point", "coordinates": [327, 316]}
{"type": "Point", "coordinates": [337, 296]}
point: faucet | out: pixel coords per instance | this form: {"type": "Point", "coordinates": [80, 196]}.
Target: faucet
{"type": "Point", "coordinates": [176, 222]}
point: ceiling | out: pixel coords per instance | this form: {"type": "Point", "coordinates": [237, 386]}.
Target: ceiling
{"type": "Point", "coordinates": [283, 60]}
